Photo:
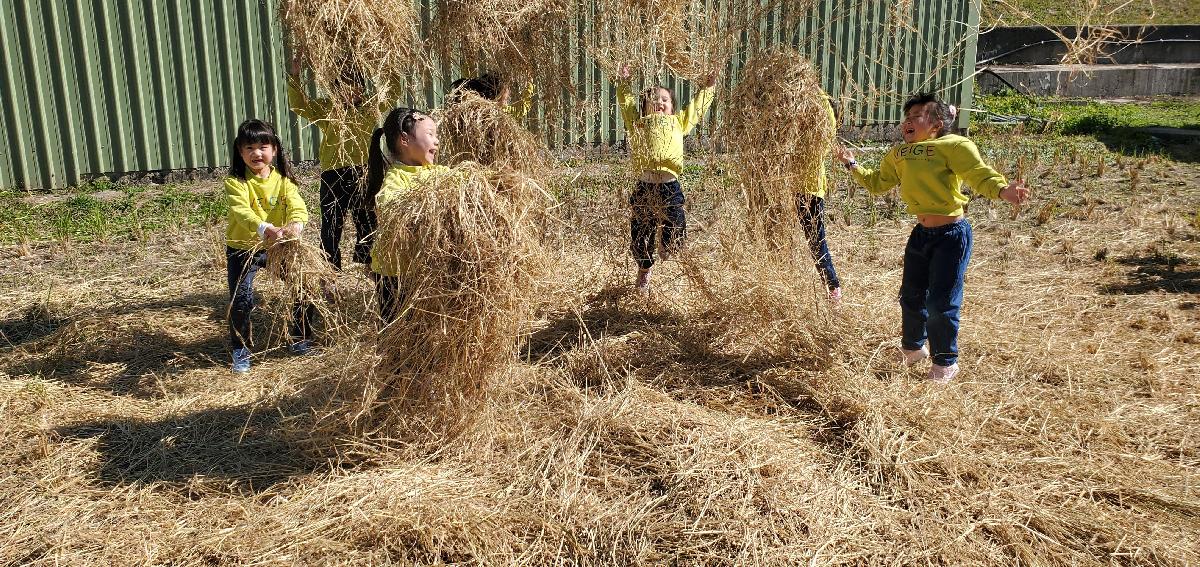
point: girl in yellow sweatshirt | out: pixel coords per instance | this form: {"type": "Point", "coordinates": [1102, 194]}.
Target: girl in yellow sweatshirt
{"type": "Point", "coordinates": [930, 167]}
{"type": "Point", "coordinates": [264, 207]}
{"type": "Point", "coordinates": [408, 142]}
{"type": "Point", "coordinates": [343, 157]}
{"type": "Point", "coordinates": [655, 132]}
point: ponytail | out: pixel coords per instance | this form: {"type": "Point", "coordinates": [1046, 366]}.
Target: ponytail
{"type": "Point", "coordinates": [401, 120]}
{"type": "Point", "coordinates": [376, 162]}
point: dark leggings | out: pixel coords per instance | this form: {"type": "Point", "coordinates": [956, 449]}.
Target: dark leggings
{"type": "Point", "coordinates": [812, 218]}
{"type": "Point", "coordinates": [653, 205]}
{"type": "Point", "coordinates": [241, 267]}
{"type": "Point", "coordinates": [342, 191]}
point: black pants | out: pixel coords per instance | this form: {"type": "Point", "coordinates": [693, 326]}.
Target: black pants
{"type": "Point", "coordinates": [342, 191]}
{"type": "Point", "coordinates": [654, 205]}
{"type": "Point", "coordinates": [241, 267]}
{"type": "Point", "coordinates": [812, 218]}
{"type": "Point", "coordinates": [389, 295]}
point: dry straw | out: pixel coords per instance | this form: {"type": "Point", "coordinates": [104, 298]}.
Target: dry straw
{"type": "Point", "coordinates": [351, 45]}
{"type": "Point", "coordinates": [780, 133]}
{"type": "Point", "coordinates": [472, 128]}
{"type": "Point", "coordinates": [468, 261]}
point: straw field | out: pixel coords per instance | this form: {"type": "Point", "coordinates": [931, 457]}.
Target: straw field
{"type": "Point", "coordinates": [733, 417]}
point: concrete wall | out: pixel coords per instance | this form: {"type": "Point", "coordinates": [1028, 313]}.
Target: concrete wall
{"type": "Point", "coordinates": [1141, 44]}
{"type": "Point", "coordinates": [1100, 81]}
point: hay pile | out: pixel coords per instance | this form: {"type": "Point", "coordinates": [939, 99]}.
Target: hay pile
{"type": "Point", "coordinates": [343, 42]}
{"type": "Point", "coordinates": [512, 37]}
{"type": "Point", "coordinates": [469, 261]}
{"type": "Point", "coordinates": [780, 135]}
{"type": "Point", "coordinates": [306, 274]}
{"type": "Point", "coordinates": [472, 128]}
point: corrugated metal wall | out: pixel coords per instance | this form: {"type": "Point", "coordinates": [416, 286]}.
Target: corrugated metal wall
{"type": "Point", "coordinates": [94, 87]}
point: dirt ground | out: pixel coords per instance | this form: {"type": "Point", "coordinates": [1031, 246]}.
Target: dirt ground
{"type": "Point", "coordinates": [734, 417]}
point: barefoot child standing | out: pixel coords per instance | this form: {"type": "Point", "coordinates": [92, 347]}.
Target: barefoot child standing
{"type": "Point", "coordinates": [930, 167]}
{"type": "Point", "coordinates": [656, 134]}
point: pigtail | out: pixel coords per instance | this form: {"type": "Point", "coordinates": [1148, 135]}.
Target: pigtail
{"type": "Point", "coordinates": [376, 162]}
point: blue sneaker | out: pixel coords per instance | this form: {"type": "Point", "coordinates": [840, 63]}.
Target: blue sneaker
{"type": "Point", "coordinates": [301, 347]}
{"type": "Point", "coordinates": [241, 360]}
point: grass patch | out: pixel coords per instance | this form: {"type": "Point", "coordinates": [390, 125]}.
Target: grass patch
{"type": "Point", "coordinates": [1056, 13]}
{"type": "Point", "coordinates": [102, 212]}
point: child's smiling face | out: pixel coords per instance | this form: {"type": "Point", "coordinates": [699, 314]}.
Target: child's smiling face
{"type": "Point", "coordinates": [919, 125]}
{"type": "Point", "coordinates": [658, 101]}
{"type": "Point", "coordinates": [259, 157]}
{"type": "Point", "coordinates": [420, 147]}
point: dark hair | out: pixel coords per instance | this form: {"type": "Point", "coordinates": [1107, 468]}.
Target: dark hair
{"type": "Point", "coordinates": [255, 131]}
{"type": "Point", "coordinates": [940, 110]}
{"type": "Point", "coordinates": [488, 86]}
{"type": "Point", "coordinates": [651, 91]}
{"type": "Point", "coordinates": [401, 120]}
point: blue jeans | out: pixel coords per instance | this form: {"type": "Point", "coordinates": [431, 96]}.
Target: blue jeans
{"type": "Point", "coordinates": [812, 218]}
{"type": "Point", "coordinates": [931, 292]}
{"type": "Point", "coordinates": [241, 267]}
{"type": "Point", "coordinates": [654, 205]}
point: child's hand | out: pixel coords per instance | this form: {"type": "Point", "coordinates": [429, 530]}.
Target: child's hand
{"type": "Point", "coordinates": [843, 154]}
{"type": "Point", "coordinates": [710, 80]}
{"type": "Point", "coordinates": [1016, 192]}
{"type": "Point", "coordinates": [292, 230]}
{"type": "Point", "coordinates": [272, 234]}
{"type": "Point", "coordinates": [624, 73]}
{"type": "Point", "coordinates": [294, 63]}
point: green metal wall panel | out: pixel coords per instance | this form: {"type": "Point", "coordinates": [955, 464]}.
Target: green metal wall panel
{"type": "Point", "coordinates": [104, 87]}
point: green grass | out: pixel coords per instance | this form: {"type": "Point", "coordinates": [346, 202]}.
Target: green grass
{"type": "Point", "coordinates": [79, 216]}
{"type": "Point", "coordinates": [1059, 13]}
{"type": "Point", "coordinates": [1114, 124]}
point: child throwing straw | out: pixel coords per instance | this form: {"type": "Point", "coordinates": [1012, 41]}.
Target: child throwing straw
{"type": "Point", "coordinates": [656, 134]}
{"type": "Point", "coordinates": [264, 207]}
{"type": "Point", "coordinates": [343, 155]}
{"type": "Point", "coordinates": [810, 204]}
{"type": "Point", "coordinates": [408, 140]}
{"type": "Point", "coordinates": [930, 167]}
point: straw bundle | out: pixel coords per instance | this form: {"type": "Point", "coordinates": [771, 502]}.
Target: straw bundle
{"type": "Point", "coordinates": [303, 269]}
{"type": "Point", "coordinates": [509, 36]}
{"type": "Point", "coordinates": [468, 261]}
{"type": "Point", "coordinates": [346, 44]}
{"type": "Point", "coordinates": [780, 133]}
{"type": "Point", "coordinates": [472, 128]}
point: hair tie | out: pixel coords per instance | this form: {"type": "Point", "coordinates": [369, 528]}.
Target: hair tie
{"type": "Point", "coordinates": [953, 111]}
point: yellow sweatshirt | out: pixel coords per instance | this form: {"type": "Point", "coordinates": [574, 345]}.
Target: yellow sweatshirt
{"type": "Point", "coordinates": [397, 182]}
{"type": "Point", "coordinates": [822, 182]}
{"type": "Point", "coordinates": [340, 146]}
{"type": "Point", "coordinates": [656, 140]}
{"type": "Point", "coordinates": [253, 201]}
{"type": "Point", "coordinates": [931, 173]}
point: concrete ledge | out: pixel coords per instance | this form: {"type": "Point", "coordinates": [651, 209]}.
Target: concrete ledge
{"type": "Point", "coordinates": [1102, 81]}
{"type": "Point", "coordinates": [1033, 45]}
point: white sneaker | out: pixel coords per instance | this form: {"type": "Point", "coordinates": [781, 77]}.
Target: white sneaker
{"type": "Point", "coordinates": [643, 281]}
{"type": "Point", "coordinates": [911, 357]}
{"type": "Point", "coordinates": [943, 374]}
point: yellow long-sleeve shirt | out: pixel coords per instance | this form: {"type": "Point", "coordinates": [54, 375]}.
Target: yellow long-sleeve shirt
{"type": "Point", "coordinates": [818, 189]}
{"type": "Point", "coordinates": [931, 173]}
{"type": "Point", "coordinates": [254, 200]}
{"type": "Point", "coordinates": [397, 182]}
{"type": "Point", "coordinates": [342, 145]}
{"type": "Point", "coordinates": [656, 140]}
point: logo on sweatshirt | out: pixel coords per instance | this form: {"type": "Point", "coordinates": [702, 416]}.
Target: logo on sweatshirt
{"type": "Point", "coordinates": [917, 151]}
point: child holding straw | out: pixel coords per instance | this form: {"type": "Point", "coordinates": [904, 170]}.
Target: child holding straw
{"type": "Point", "coordinates": [264, 207]}
{"type": "Point", "coordinates": [343, 155]}
{"type": "Point", "coordinates": [930, 167]}
{"type": "Point", "coordinates": [408, 141]}
{"type": "Point", "coordinates": [810, 205]}
{"type": "Point", "coordinates": [655, 133]}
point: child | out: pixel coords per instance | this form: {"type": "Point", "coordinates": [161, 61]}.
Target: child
{"type": "Point", "coordinates": [930, 167]}
{"type": "Point", "coordinates": [410, 140]}
{"type": "Point", "coordinates": [342, 154]}
{"type": "Point", "coordinates": [656, 134]}
{"type": "Point", "coordinates": [810, 204]}
{"type": "Point", "coordinates": [264, 207]}
{"type": "Point", "coordinates": [492, 87]}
